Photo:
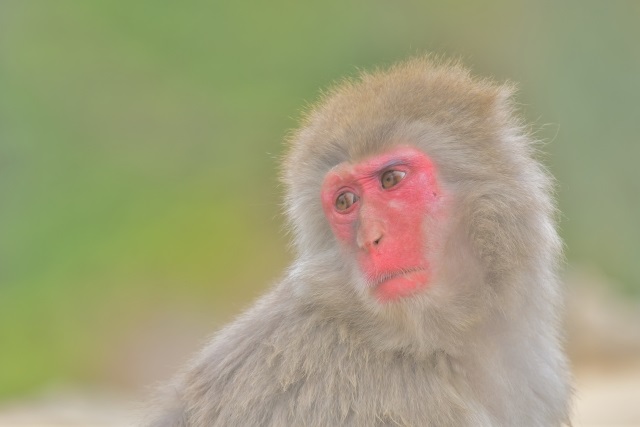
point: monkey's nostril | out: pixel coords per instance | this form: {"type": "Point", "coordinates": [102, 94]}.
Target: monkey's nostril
{"type": "Point", "coordinates": [377, 241]}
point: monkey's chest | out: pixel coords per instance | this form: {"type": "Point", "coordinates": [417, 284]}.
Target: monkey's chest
{"type": "Point", "coordinates": [371, 392]}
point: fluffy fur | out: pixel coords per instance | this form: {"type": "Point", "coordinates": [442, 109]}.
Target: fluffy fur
{"type": "Point", "coordinates": [480, 347]}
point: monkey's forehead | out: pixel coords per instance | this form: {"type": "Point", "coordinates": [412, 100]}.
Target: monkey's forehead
{"type": "Point", "coordinates": [403, 153]}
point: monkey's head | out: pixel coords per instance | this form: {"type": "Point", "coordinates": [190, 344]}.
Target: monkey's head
{"type": "Point", "coordinates": [417, 205]}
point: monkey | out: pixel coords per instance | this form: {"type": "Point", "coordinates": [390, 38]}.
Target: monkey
{"type": "Point", "coordinates": [424, 289]}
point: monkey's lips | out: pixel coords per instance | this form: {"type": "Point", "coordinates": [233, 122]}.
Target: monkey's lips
{"type": "Point", "coordinates": [395, 285]}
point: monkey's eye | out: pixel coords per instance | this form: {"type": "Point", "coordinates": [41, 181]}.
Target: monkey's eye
{"type": "Point", "coordinates": [345, 200]}
{"type": "Point", "coordinates": [391, 178]}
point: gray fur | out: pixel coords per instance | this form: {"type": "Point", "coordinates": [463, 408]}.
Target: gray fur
{"type": "Point", "coordinates": [480, 347]}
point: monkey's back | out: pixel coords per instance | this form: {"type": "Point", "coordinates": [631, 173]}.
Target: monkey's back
{"type": "Point", "coordinates": [285, 364]}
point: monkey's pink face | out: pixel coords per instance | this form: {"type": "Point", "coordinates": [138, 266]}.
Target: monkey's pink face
{"type": "Point", "coordinates": [377, 209]}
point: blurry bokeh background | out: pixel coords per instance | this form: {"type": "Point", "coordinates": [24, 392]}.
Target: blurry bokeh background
{"type": "Point", "coordinates": [139, 146]}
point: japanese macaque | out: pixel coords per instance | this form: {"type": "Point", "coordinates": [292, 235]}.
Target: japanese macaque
{"type": "Point", "coordinates": [424, 288]}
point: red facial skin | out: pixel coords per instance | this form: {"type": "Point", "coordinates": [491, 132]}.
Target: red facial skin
{"type": "Point", "coordinates": [384, 226]}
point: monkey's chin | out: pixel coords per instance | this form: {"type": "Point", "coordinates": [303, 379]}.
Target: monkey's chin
{"type": "Point", "coordinates": [401, 286]}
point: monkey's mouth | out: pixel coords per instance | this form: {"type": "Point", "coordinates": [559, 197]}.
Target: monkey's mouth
{"type": "Point", "coordinates": [400, 283]}
{"type": "Point", "coordinates": [376, 281]}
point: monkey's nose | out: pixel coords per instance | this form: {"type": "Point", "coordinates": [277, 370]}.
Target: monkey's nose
{"type": "Point", "coordinates": [370, 236]}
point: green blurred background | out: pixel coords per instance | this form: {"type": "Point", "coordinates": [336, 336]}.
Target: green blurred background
{"type": "Point", "coordinates": [139, 146]}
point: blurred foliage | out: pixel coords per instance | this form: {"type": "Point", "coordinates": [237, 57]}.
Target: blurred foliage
{"type": "Point", "coordinates": [139, 145]}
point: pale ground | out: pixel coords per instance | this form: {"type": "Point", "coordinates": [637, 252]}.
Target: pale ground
{"type": "Point", "coordinates": [606, 398]}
